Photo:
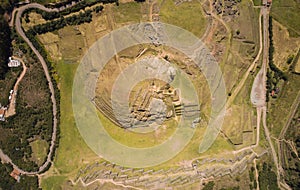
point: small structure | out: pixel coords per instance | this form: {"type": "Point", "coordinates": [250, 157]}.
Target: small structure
{"type": "Point", "coordinates": [2, 113]}
{"type": "Point", "coordinates": [273, 93]}
{"type": "Point", "coordinates": [13, 63]}
{"type": "Point", "coordinates": [16, 174]}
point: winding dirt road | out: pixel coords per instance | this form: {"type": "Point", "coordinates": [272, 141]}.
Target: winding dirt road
{"type": "Point", "coordinates": [20, 31]}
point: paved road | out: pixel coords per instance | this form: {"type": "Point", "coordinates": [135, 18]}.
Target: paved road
{"type": "Point", "coordinates": [20, 31]}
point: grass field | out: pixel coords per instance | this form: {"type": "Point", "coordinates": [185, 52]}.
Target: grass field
{"type": "Point", "coordinates": [284, 46]}
{"type": "Point", "coordinates": [279, 108]}
{"type": "Point", "coordinates": [39, 151]}
{"type": "Point", "coordinates": [127, 12]}
{"type": "Point", "coordinates": [287, 13]}
{"type": "Point", "coordinates": [63, 43]}
{"type": "Point", "coordinates": [187, 15]}
{"type": "Point", "coordinates": [241, 51]}
{"type": "Point", "coordinates": [70, 48]}
{"type": "Point", "coordinates": [53, 182]}
{"type": "Point", "coordinates": [72, 153]}
{"type": "Point", "coordinates": [248, 23]}
{"type": "Point", "coordinates": [66, 165]}
{"type": "Point", "coordinates": [257, 2]}
{"type": "Point", "coordinates": [139, 140]}
{"type": "Point", "coordinates": [35, 19]}
{"type": "Point", "coordinates": [50, 41]}
{"type": "Point", "coordinates": [71, 142]}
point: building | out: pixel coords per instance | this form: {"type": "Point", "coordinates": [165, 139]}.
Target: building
{"type": "Point", "coordinates": [13, 63]}
{"type": "Point", "coordinates": [2, 113]}
{"type": "Point", "coordinates": [15, 174]}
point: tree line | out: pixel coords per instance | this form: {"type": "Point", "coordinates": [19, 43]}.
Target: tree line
{"type": "Point", "coordinates": [81, 5]}
{"type": "Point", "coordinates": [6, 6]}
{"type": "Point", "coordinates": [61, 22]}
{"type": "Point", "coordinates": [31, 121]}
{"type": "Point", "coordinates": [267, 178]}
{"type": "Point", "coordinates": [5, 44]}
{"type": "Point", "coordinates": [274, 74]}
{"type": "Point", "coordinates": [69, 2]}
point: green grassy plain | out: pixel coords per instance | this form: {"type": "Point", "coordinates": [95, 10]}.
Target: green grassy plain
{"type": "Point", "coordinates": [139, 140]}
{"type": "Point", "coordinates": [257, 2]}
{"type": "Point", "coordinates": [71, 142]}
{"type": "Point", "coordinates": [284, 45]}
{"type": "Point", "coordinates": [72, 153]}
{"type": "Point", "coordinates": [53, 183]}
{"type": "Point", "coordinates": [287, 13]}
{"type": "Point", "coordinates": [279, 108]}
{"type": "Point", "coordinates": [39, 151]}
{"type": "Point", "coordinates": [127, 12]}
{"type": "Point", "coordinates": [187, 15]}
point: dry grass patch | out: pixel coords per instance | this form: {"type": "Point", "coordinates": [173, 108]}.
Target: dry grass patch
{"type": "Point", "coordinates": [284, 45]}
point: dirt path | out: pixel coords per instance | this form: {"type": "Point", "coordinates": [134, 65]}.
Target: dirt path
{"type": "Point", "coordinates": [12, 106]}
{"type": "Point", "coordinates": [258, 92]}
{"type": "Point", "coordinates": [268, 135]}
{"type": "Point", "coordinates": [151, 10]}
{"type": "Point", "coordinates": [256, 174]}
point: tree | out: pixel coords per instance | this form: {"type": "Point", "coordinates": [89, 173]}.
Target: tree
{"type": "Point", "coordinates": [209, 186]}
{"type": "Point", "coordinates": [5, 44]}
